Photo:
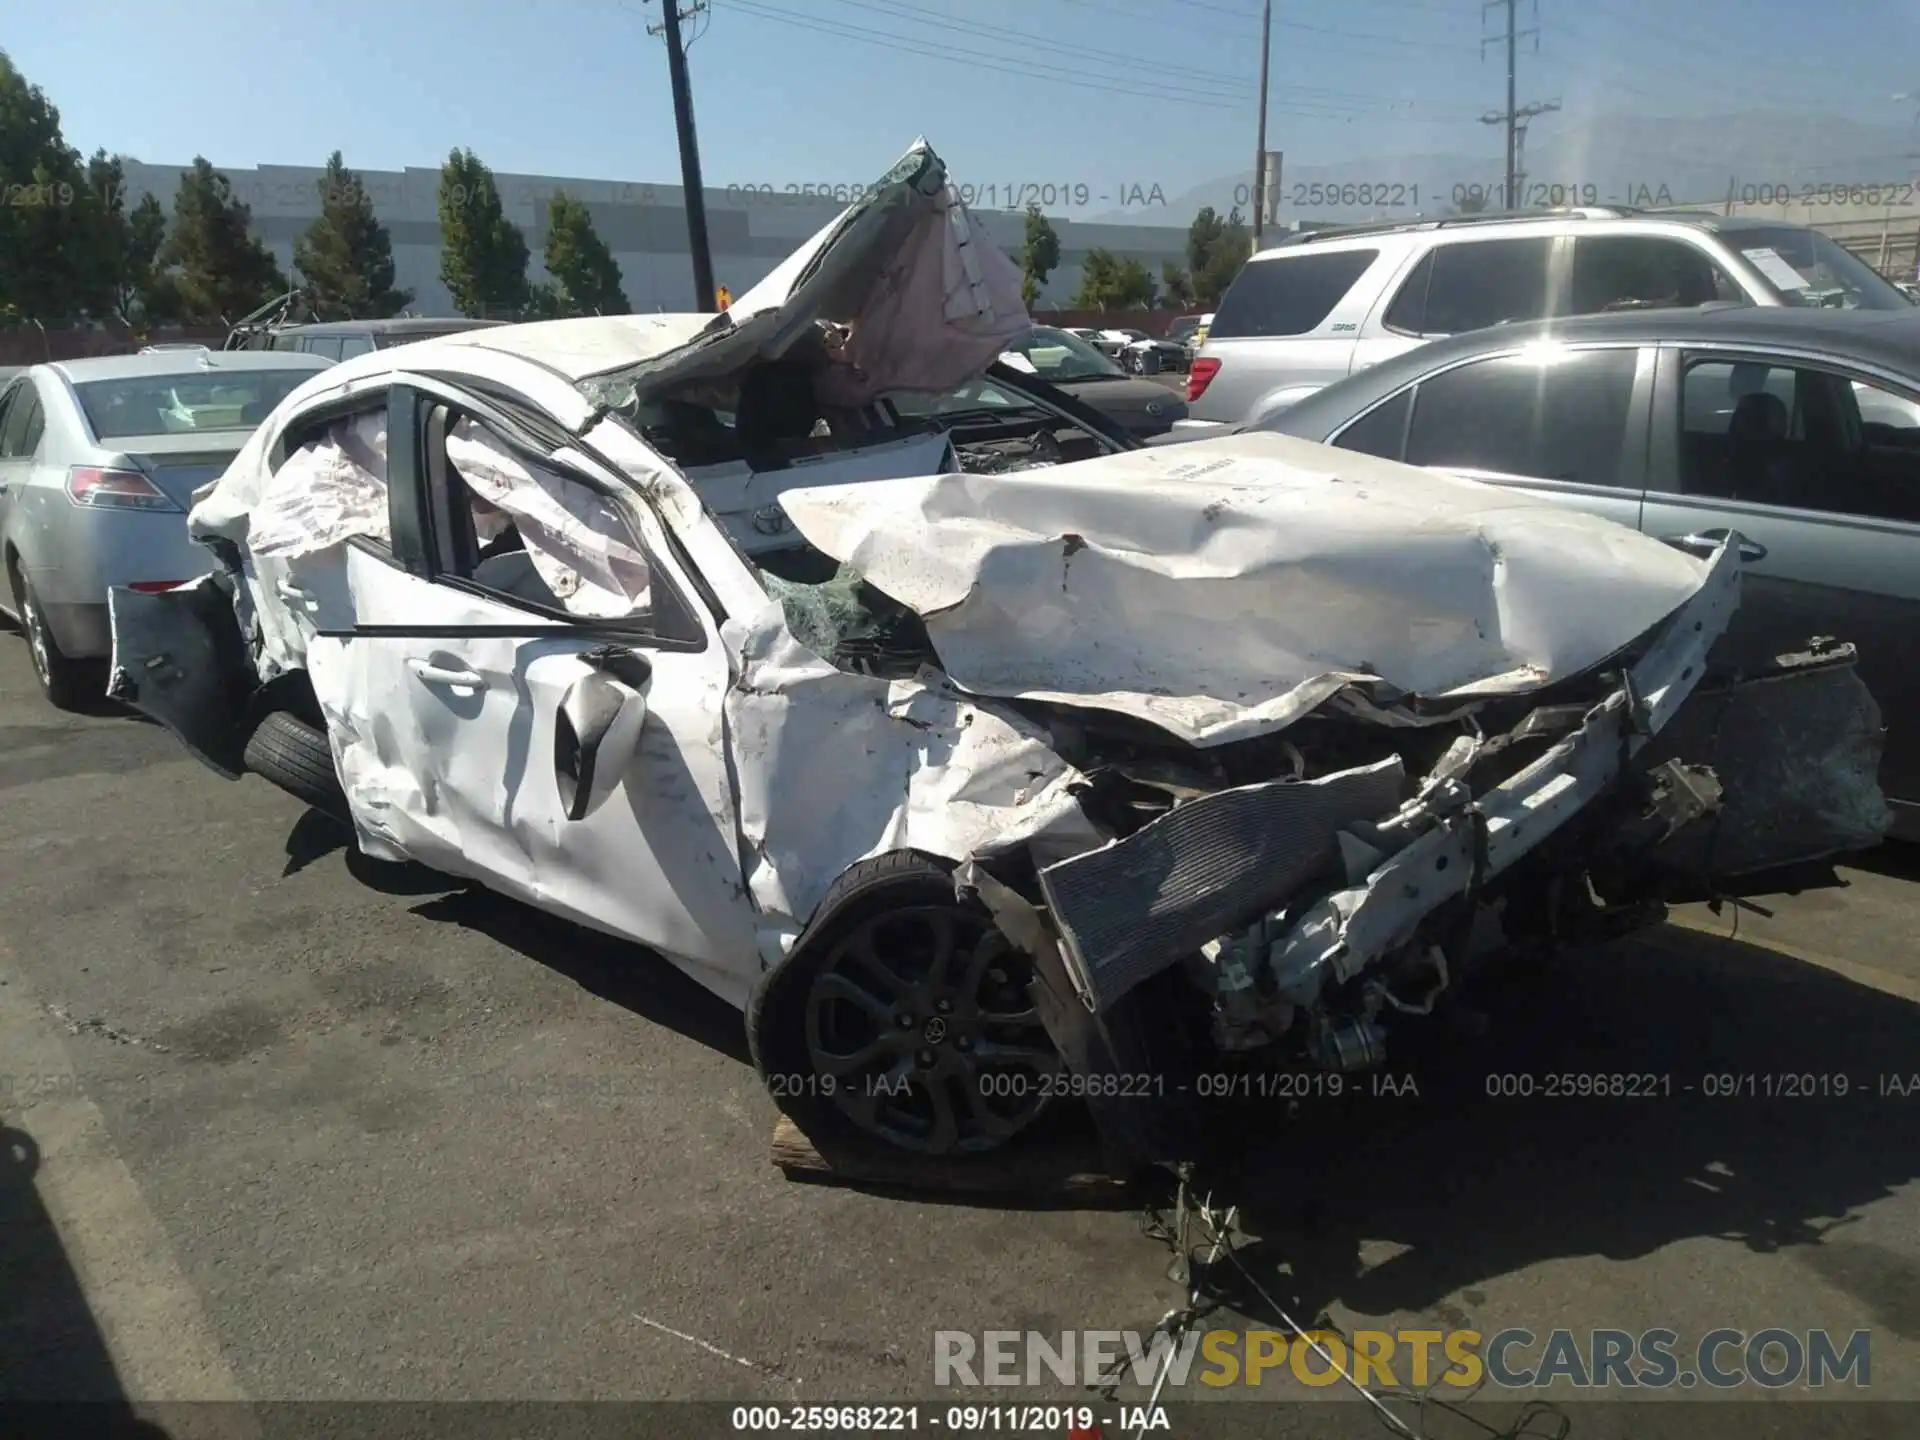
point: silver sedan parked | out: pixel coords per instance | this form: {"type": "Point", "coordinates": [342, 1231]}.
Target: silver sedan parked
{"type": "Point", "coordinates": [99, 460]}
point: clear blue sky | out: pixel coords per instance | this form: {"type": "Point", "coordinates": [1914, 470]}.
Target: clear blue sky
{"type": "Point", "coordinates": [1102, 92]}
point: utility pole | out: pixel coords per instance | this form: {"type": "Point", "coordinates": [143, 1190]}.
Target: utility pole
{"type": "Point", "coordinates": [690, 184]}
{"type": "Point", "coordinates": [1260, 142]}
{"type": "Point", "coordinates": [1512, 117]}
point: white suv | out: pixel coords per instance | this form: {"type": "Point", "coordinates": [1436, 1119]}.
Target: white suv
{"type": "Point", "coordinates": [1317, 308]}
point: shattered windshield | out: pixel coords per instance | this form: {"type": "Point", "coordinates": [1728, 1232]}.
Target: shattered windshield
{"type": "Point", "coordinates": [1807, 268]}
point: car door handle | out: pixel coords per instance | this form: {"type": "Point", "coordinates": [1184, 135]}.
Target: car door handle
{"type": "Point", "coordinates": [1705, 542]}
{"type": "Point", "coordinates": [459, 677]}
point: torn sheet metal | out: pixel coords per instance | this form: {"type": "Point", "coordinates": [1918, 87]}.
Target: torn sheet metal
{"type": "Point", "coordinates": [926, 297]}
{"type": "Point", "coordinates": [576, 541]}
{"type": "Point", "coordinates": [1457, 848]}
{"type": "Point", "coordinates": [1138, 906]}
{"type": "Point", "coordinates": [1223, 588]}
{"type": "Point", "coordinates": [938, 314]}
{"type": "Point", "coordinates": [1797, 757]}
{"type": "Point", "coordinates": [833, 768]}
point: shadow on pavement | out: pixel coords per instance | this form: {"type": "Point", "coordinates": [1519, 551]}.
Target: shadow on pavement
{"type": "Point", "coordinates": [316, 835]}
{"type": "Point", "coordinates": [56, 1376]}
{"type": "Point", "coordinates": [1743, 1136]}
{"type": "Point", "coordinates": [626, 974]}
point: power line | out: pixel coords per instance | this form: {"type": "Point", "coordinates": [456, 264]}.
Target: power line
{"type": "Point", "coordinates": [911, 14]}
{"type": "Point", "coordinates": [1024, 69]}
{"type": "Point", "coordinates": [948, 23]}
{"type": "Point", "coordinates": [1110, 8]}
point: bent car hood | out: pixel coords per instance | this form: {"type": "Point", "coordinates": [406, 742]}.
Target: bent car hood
{"type": "Point", "coordinates": [1224, 588]}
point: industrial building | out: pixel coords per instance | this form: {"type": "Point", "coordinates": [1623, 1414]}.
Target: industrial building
{"type": "Point", "coordinates": [644, 224]}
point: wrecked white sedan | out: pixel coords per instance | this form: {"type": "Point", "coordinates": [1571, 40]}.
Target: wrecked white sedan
{"type": "Point", "coordinates": [1008, 770]}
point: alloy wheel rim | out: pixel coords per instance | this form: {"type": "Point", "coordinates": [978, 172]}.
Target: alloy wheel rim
{"type": "Point", "coordinates": [36, 629]}
{"type": "Point", "coordinates": [920, 1030]}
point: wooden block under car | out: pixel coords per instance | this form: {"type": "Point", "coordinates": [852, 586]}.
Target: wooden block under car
{"type": "Point", "coordinates": [1052, 1163]}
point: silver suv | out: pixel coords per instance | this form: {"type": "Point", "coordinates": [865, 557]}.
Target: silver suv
{"type": "Point", "coordinates": [1319, 307]}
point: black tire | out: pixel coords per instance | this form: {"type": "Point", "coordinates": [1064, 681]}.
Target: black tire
{"type": "Point", "coordinates": [294, 754]}
{"type": "Point", "coordinates": [987, 1025]}
{"type": "Point", "coordinates": [67, 683]}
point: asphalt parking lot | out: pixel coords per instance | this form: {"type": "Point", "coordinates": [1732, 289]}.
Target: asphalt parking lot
{"type": "Point", "coordinates": [283, 1124]}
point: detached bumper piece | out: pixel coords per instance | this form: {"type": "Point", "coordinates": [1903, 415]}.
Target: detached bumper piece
{"type": "Point", "coordinates": [1797, 753]}
{"type": "Point", "coordinates": [1133, 908]}
{"type": "Point", "coordinates": [179, 659]}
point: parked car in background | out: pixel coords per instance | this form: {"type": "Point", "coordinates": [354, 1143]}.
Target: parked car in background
{"type": "Point", "coordinates": [343, 339]}
{"type": "Point", "coordinates": [1328, 303]}
{"type": "Point", "coordinates": [1184, 332]}
{"type": "Point", "coordinates": [1112, 342]}
{"type": "Point", "coordinates": [99, 460]}
{"type": "Point", "coordinates": [1065, 361]}
{"type": "Point", "coordinates": [1154, 355]}
{"type": "Point", "coordinates": [1799, 429]}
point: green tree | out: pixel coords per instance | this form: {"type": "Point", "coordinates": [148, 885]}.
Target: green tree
{"type": "Point", "coordinates": [483, 255]}
{"type": "Point", "coordinates": [123, 249]}
{"type": "Point", "coordinates": [1110, 283]}
{"type": "Point", "coordinates": [345, 258]}
{"type": "Point", "coordinates": [1216, 249]}
{"type": "Point", "coordinates": [47, 263]}
{"type": "Point", "coordinates": [1177, 286]}
{"type": "Point", "coordinates": [211, 259]}
{"type": "Point", "coordinates": [586, 277]}
{"type": "Point", "coordinates": [1039, 255]}
{"type": "Point", "coordinates": [1472, 201]}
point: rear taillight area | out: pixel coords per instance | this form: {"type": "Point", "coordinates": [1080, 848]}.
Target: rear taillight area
{"type": "Point", "coordinates": [1201, 376]}
{"type": "Point", "coordinates": [98, 489]}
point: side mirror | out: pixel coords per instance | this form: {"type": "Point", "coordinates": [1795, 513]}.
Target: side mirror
{"type": "Point", "coordinates": [597, 730]}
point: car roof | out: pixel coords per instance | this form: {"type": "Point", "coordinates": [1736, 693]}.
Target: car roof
{"type": "Point", "coordinates": [1522, 220]}
{"type": "Point", "coordinates": [409, 325]}
{"type": "Point", "coordinates": [181, 362]}
{"type": "Point", "coordinates": [1887, 338]}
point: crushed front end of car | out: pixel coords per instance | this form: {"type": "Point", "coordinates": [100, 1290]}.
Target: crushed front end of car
{"type": "Point", "coordinates": [1316, 863]}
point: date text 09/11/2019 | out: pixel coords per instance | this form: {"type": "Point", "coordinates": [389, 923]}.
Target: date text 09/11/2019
{"type": "Point", "coordinates": [1048, 1420]}
{"type": "Point", "coordinates": [1064, 1084]}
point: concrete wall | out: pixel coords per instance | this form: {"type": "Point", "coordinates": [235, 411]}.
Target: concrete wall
{"type": "Point", "coordinates": [644, 224]}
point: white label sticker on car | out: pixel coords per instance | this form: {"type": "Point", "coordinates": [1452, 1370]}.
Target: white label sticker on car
{"type": "Point", "coordinates": [1767, 260]}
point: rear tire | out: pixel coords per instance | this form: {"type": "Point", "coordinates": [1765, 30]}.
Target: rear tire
{"type": "Point", "coordinates": [67, 683]}
{"type": "Point", "coordinates": [294, 755]}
